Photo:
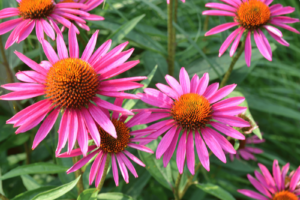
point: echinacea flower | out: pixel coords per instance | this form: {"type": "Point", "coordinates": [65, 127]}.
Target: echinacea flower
{"type": "Point", "coordinates": [117, 148]}
{"type": "Point", "coordinates": [191, 107]}
{"type": "Point", "coordinates": [252, 16]}
{"type": "Point", "coordinates": [246, 149]}
{"type": "Point", "coordinates": [168, 1]}
{"type": "Point", "coordinates": [38, 14]}
{"type": "Point", "coordinates": [69, 83]}
{"type": "Point", "coordinates": [274, 187]}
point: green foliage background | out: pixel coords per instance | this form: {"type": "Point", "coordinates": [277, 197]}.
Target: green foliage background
{"type": "Point", "coordinates": [271, 89]}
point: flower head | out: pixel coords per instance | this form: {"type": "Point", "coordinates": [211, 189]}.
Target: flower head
{"type": "Point", "coordinates": [45, 15]}
{"type": "Point", "coordinates": [246, 149]}
{"type": "Point", "coordinates": [251, 16]}
{"type": "Point", "coordinates": [117, 148]}
{"type": "Point", "coordinates": [69, 84]}
{"type": "Point", "coordinates": [194, 108]}
{"type": "Point", "coordinates": [274, 187]}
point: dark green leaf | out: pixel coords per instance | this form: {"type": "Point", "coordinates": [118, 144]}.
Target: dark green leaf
{"type": "Point", "coordinates": [216, 191]}
{"type": "Point", "coordinates": [113, 196]}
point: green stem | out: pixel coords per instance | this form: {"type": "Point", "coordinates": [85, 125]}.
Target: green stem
{"type": "Point", "coordinates": [176, 188]}
{"type": "Point", "coordinates": [2, 197]}
{"type": "Point", "coordinates": [10, 77]}
{"type": "Point", "coordinates": [104, 173]}
{"type": "Point", "coordinates": [171, 38]}
{"type": "Point", "coordinates": [78, 172]}
{"type": "Point", "coordinates": [233, 62]}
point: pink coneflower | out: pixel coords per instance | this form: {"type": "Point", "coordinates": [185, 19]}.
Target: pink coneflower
{"type": "Point", "coordinates": [276, 187]}
{"type": "Point", "coordinates": [252, 16]}
{"type": "Point", "coordinates": [190, 107]}
{"type": "Point", "coordinates": [69, 84]}
{"type": "Point", "coordinates": [168, 1]}
{"type": "Point", "coordinates": [246, 149]}
{"type": "Point", "coordinates": [115, 147]}
{"type": "Point", "coordinates": [38, 14]}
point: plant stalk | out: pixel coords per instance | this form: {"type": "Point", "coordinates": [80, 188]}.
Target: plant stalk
{"type": "Point", "coordinates": [233, 62]}
{"type": "Point", "coordinates": [176, 188]}
{"type": "Point", "coordinates": [10, 76]}
{"type": "Point", "coordinates": [2, 197]}
{"type": "Point", "coordinates": [78, 172]}
{"type": "Point", "coordinates": [104, 173]}
{"type": "Point", "coordinates": [171, 39]}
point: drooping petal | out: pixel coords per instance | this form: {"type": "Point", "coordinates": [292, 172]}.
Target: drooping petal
{"type": "Point", "coordinates": [190, 153]}
{"type": "Point", "coordinates": [169, 152]}
{"type": "Point", "coordinates": [95, 167]}
{"type": "Point", "coordinates": [231, 132]}
{"type": "Point", "coordinates": [115, 169]}
{"type": "Point", "coordinates": [202, 151]}
{"type": "Point", "coordinates": [82, 162]}
{"type": "Point", "coordinates": [165, 142]}
{"type": "Point", "coordinates": [221, 28]}
{"type": "Point", "coordinates": [181, 152]}
{"type": "Point", "coordinates": [251, 194]}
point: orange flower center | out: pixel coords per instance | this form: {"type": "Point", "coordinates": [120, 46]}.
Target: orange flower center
{"type": "Point", "coordinates": [252, 14]}
{"type": "Point", "coordinates": [71, 83]}
{"type": "Point", "coordinates": [191, 111]}
{"type": "Point", "coordinates": [111, 144]}
{"type": "Point", "coordinates": [285, 195]}
{"type": "Point", "coordinates": [36, 9]}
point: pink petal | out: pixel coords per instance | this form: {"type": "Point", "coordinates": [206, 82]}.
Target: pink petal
{"type": "Point", "coordinates": [169, 152]}
{"type": "Point", "coordinates": [283, 11]}
{"type": "Point", "coordinates": [101, 169]}
{"type": "Point", "coordinates": [21, 95]}
{"type": "Point", "coordinates": [45, 128]}
{"type": "Point", "coordinates": [184, 81]}
{"type": "Point", "coordinates": [295, 179]}
{"type": "Point", "coordinates": [30, 63]}
{"type": "Point", "coordinates": [61, 47]}
{"type": "Point", "coordinates": [211, 90]}
{"type": "Point", "coordinates": [228, 41]}
{"type": "Point", "coordinates": [279, 39]}
{"type": "Point", "coordinates": [90, 47]}
{"type": "Point", "coordinates": [232, 111]}
{"type": "Point", "coordinates": [48, 29]}
{"type": "Point", "coordinates": [9, 25]}
{"type": "Point", "coordinates": [202, 151]}
{"type": "Point", "coordinates": [30, 77]}
{"type": "Point", "coordinates": [261, 46]}
{"type": "Point", "coordinates": [285, 26]}
{"type": "Point", "coordinates": [213, 144]}
{"type": "Point", "coordinates": [173, 83]}
{"type": "Point", "coordinates": [233, 101]}
{"type": "Point", "coordinates": [134, 159]}
{"type": "Point", "coordinates": [277, 175]}
{"type": "Point", "coordinates": [252, 194]}
{"type": "Point", "coordinates": [221, 93]}
{"type": "Point", "coordinates": [231, 132]}
{"type": "Point", "coordinates": [81, 162]}
{"type": "Point", "coordinates": [259, 186]}
{"type": "Point", "coordinates": [91, 126]}
{"type": "Point", "coordinates": [123, 168]}
{"type": "Point", "coordinates": [63, 131]}
{"type": "Point", "coordinates": [140, 147]}
{"type": "Point", "coordinates": [181, 151]}
{"type": "Point", "coordinates": [49, 51]}
{"type": "Point", "coordinates": [248, 49]}
{"type": "Point", "coordinates": [23, 87]}
{"type": "Point", "coordinates": [268, 178]}
{"type": "Point", "coordinates": [167, 90]}
{"type": "Point", "coordinates": [110, 106]}
{"type": "Point", "coordinates": [26, 31]}
{"type": "Point", "coordinates": [73, 44]}
{"type": "Point", "coordinates": [223, 142]}
{"type": "Point", "coordinates": [73, 130]}
{"type": "Point", "coordinates": [190, 153]}
{"type": "Point", "coordinates": [95, 167]}
{"type": "Point", "coordinates": [137, 119]}
{"type": "Point", "coordinates": [115, 169]}
{"type": "Point", "coordinates": [194, 83]}
{"type": "Point", "coordinates": [128, 164]}
{"type": "Point", "coordinates": [221, 28]}
{"type": "Point", "coordinates": [232, 121]}
{"type": "Point", "coordinates": [165, 142]}
{"type": "Point", "coordinates": [203, 83]}
{"type": "Point", "coordinates": [218, 13]}
{"type": "Point", "coordinates": [236, 42]}
{"type": "Point", "coordinates": [221, 6]}
{"type": "Point", "coordinates": [102, 50]}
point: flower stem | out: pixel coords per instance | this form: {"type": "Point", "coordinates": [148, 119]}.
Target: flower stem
{"type": "Point", "coordinates": [171, 39]}
{"type": "Point", "coordinates": [10, 77]}
{"type": "Point", "coordinates": [78, 172]}
{"type": "Point", "coordinates": [2, 197]}
{"type": "Point", "coordinates": [233, 62]}
{"type": "Point", "coordinates": [104, 173]}
{"type": "Point", "coordinates": [176, 188]}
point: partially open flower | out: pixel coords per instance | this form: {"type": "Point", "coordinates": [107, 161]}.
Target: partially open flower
{"type": "Point", "coordinates": [274, 187]}
{"type": "Point", "coordinates": [252, 17]}
{"type": "Point", "coordinates": [246, 149]}
{"type": "Point", "coordinates": [45, 15]}
{"type": "Point", "coordinates": [116, 148]}
{"type": "Point", "coordinates": [247, 130]}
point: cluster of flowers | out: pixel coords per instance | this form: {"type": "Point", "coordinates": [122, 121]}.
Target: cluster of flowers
{"type": "Point", "coordinates": [189, 112]}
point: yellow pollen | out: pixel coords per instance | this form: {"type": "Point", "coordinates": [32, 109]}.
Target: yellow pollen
{"type": "Point", "coordinates": [285, 195]}
{"type": "Point", "coordinates": [36, 9]}
{"type": "Point", "coordinates": [111, 144]}
{"type": "Point", "coordinates": [71, 83]}
{"type": "Point", "coordinates": [253, 14]}
{"type": "Point", "coordinates": [191, 111]}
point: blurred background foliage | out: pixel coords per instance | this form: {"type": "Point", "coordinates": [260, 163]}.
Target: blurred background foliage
{"type": "Point", "coordinates": [271, 89]}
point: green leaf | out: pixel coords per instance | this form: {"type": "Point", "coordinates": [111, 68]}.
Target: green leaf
{"type": "Point", "coordinates": [121, 32]}
{"type": "Point", "coordinates": [114, 196]}
{"type": "Point", "coordinates": [156, 168]}
{"type": "Point", "coordinates": [248, 114]}
{"type": "Point", "coordinates": [89, 194]}
{"type": "Point", "coordinates": [37, 168]}
{"type": "Point", "coordinates": [14, 140]}
{"type": "Point", "coordinates": [131, 102]}
{"type": "Point", "coordinates": [216, 191]}
{"type": "Point", "coordinates": [29, 182]}
{"type": "Point", "coordinates": [56, 192]}
{"type": "Point", "coordinates": [30, 194]}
